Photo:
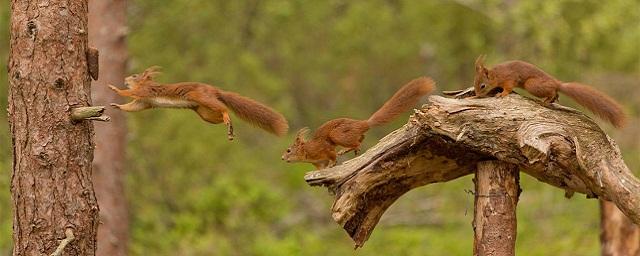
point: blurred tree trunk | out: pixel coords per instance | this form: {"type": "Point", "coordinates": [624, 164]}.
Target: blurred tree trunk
{"type": "Point", "coordinates": [619, 235]}
{"type": "Point", "coordinates": [54, 205]}
{"type": "Point", "coordinates": [107, 32]}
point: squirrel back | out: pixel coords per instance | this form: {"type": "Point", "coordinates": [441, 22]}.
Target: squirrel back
{"type": "Point", "coordinates": [596, 101]}
{"type": "Point", "coordinates": [512, 74]}
{"type": "Point", "coordinates": [254, 112]}
{"type": "Point", "coordinates": [402, 101]}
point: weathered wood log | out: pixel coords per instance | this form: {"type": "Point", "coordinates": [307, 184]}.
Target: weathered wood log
{"type": "Point", "coordinates": [494, 221]}
{"type": "Point", "coordinates": [445, 140]}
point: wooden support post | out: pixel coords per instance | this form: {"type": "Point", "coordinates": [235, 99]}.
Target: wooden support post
{"type": "Point", "coordinates": [494, 222]}
{"type": "Point", "coordinates": [618, 235]}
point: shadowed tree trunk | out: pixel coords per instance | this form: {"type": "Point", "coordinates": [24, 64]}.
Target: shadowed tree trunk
{"type": "Point", "coordinates": [619, 235]}
{"type": "Point", "coordinates": [54, 205]}
{"type": "Point", "coordinates": [107, 33]}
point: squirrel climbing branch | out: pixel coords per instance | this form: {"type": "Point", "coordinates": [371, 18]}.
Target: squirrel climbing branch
{"type": "Point", "coordinates": [445, 140]}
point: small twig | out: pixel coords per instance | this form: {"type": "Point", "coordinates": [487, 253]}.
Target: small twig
{"type": "Point", "coordinates": [93, 113]}
{"type": "Point", "coordinates": [461, 94]}
{"type": "Point", "coordinates": [99, 118]}
{"type": "Point", "coordinates": [69, 233]}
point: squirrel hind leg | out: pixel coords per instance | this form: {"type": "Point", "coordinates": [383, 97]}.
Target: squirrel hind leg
{"type": "Point", "coordinates": [216, 117]}
{"type": "Point", "coordinates": [227, 120]}
{"type": "Point", "coordinates": [356, 150]}
{"type": "Point", "coordinates": [553, 99]}
{"type": "Point", "coordinates": [548, 101]}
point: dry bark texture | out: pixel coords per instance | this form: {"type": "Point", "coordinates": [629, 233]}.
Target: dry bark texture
{"type": "Point", "coordinates": [107, 33]}
{"type": "Point", "coordinates": [51, 184]}
{"type": "Point", "coordinates": [619, 235]}
{"type": "Point", "coordinates": [445, 140]}
{"type": "Point", "coordinates": [496, 196]}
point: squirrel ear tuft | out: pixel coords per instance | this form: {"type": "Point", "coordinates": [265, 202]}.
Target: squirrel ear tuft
{"type": "Point", "coordinates": [151, 72]}
{"type": "Point", "coordinates": [302, 133]}
{"type": "Point", "coordinates": [480, 68]}
{"type": "Point", "coordinates": [480, 63]}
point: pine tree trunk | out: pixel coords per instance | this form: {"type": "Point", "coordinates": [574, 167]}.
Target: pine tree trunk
{"type": "Point", "coordinates": [53, 198]}
{"type": "Point", "coordinates": [107, 33]}
{"type": "Point", "coordinates": [619, 236]}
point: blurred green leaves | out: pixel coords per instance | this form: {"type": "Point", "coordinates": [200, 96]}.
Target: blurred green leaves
{"type": "Point", "coordinates": [192, 192]}
{"type": "Point", "coordinates": [5, 140]}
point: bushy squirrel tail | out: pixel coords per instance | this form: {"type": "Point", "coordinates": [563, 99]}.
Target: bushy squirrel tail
{"type": "Point", "coordinates": [596, 101]}
{"type": "Point", "coordinates": [405, 98]}
{"type": "Point", "coordinates": [255, 112]}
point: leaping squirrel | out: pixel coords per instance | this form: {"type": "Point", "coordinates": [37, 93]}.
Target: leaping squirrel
{"type": "Point", "coordinates": [211, 103]}
{"type": "Point", "coordinates": [511, 74]}
{"type": "Point", "coordinates": [349, 133]}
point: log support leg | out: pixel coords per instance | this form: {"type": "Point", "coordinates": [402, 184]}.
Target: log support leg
{"type": "Point", "coordinates": [618, 235]}
{"type": "Point", "coordinates": [494, 223]}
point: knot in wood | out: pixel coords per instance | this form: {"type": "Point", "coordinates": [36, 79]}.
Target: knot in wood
{"type": "Point", "coordinates": [32, 28]}
{"type": "Point", "coordinates": [59, 84]}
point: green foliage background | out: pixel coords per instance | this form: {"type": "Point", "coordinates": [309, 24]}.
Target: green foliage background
{"type": "Point", "coordinates": [191, 192]}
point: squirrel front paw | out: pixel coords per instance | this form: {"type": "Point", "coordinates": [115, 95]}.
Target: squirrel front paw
{"type": "Point", "coordinates": [115, 105]}
{"type": "Point", "coordinates": [115, 89]}
{"type": "Point", "coordinates": [502, 94]}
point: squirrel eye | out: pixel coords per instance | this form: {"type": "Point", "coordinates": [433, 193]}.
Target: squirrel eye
{"type": "Point", "coordinates": [482, 86]}
{"type": "Point", "coordinates": [288, 150]}
{"type": "Point", "coordinates": [135, 76]}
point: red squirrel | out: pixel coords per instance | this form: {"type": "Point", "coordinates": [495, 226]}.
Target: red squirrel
{"type": "Point", "coordinates": [511, 74]}
{"type": "Point", "coordinates": [349, 133]}
{"type": "Point", "coordinates": [212, 104]}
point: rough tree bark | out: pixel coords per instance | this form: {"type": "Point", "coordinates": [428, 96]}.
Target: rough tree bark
{"type": "Point", "coordinates": [497, 189]}
{"type": "Point", "coordinates": [619, 236]}
{"type": "Point", "coordinates": [446, 139]}
{"type": "Point", "coordinates": [107, 33]}
{"type": "Point", "coordinates": [53, 198]}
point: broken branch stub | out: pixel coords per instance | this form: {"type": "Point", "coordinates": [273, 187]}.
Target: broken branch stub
{"type": "Point", "coordinates": [446, 139]}
{"type": "Point", "coordinates": [92, 113]}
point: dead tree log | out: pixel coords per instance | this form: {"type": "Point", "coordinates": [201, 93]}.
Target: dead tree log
{"type": "Point", "coordinates": [446, 139]}
{"type": "Point", "coordinates": [496, 196]}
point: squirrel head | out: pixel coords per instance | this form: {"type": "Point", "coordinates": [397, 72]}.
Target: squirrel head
{"type": "Point", "coordinates": [296, 152]}
{"type": "Point", "coordinates": [146, 76]}
{"type": "Point", "coordinates": [481, 81]}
